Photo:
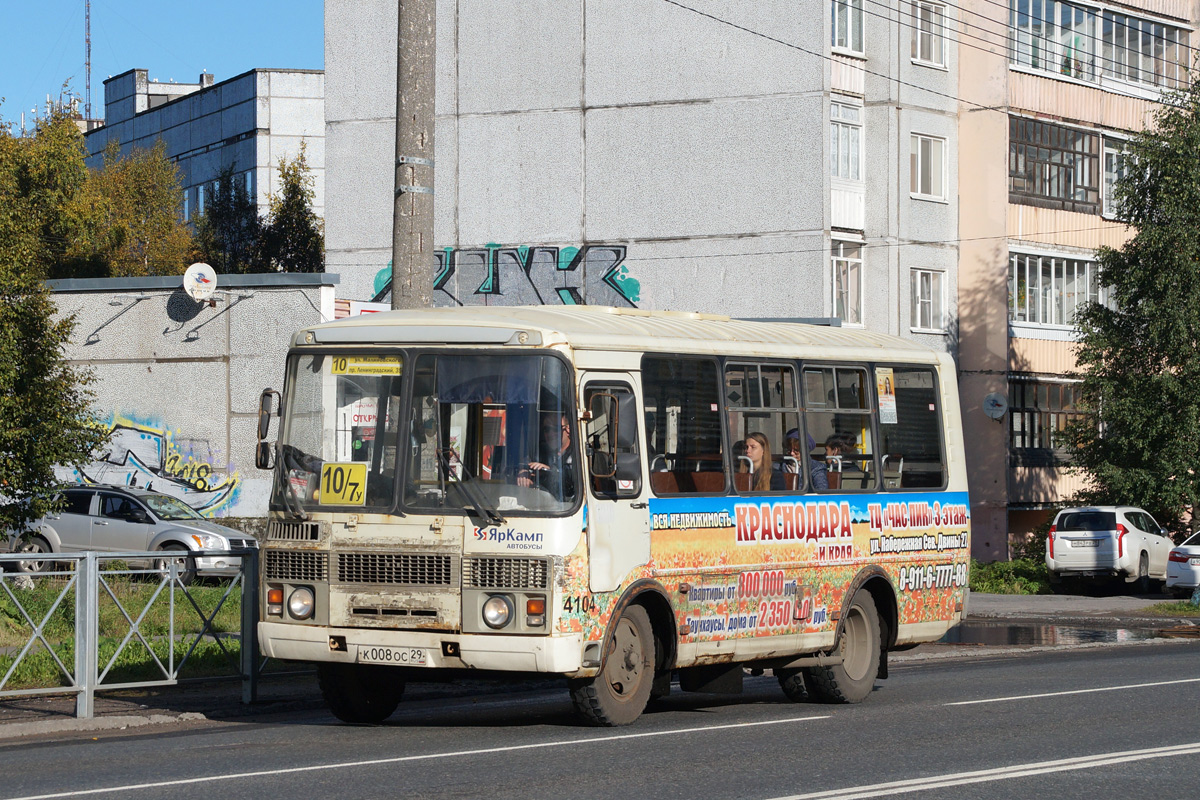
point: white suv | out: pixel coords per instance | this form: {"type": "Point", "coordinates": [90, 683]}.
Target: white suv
{"type": "Point", "coordinates": [1107, 541]}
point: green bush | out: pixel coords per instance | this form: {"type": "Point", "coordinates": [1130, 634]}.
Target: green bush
{"type": "Point", "coordinates": [1019, 576]}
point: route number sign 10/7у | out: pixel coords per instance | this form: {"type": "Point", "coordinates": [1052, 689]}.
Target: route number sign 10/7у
{"type": "Point", "coordinates": [343, 484]}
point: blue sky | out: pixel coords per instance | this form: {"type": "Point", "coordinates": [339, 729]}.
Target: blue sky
{"type": "Point", "coordinates": [41, 43]}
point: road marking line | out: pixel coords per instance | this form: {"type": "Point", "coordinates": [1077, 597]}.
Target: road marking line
{"type": "Point", "coordinates": [1073, 691]}
{"type": "Point", "coordinates": [402, 759]}
{"type": "Point", "coordinates": [998, 774]}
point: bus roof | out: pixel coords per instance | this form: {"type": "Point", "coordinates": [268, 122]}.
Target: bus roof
{"type": "Point", "coordinates": [606, 328]}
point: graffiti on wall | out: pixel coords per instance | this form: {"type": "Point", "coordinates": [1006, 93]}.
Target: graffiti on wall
{"type": "Point", "coordinates": [529, 275]}
{"type": "Point", "coordinates": [151, 456]}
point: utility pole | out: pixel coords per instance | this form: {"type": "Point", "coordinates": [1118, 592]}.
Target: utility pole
{"type": "Point", "coordinates": [87, 57]}
{"type": "Point", "coordinates": [412, 218]}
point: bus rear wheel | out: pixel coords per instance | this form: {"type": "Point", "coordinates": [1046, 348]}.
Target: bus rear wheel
{"type": "Point", "coordinates": [852, 680]}
{"type": "Point", "coordinates": [619, 693]}
{"type": "Point", "coordinates": [360, 693]}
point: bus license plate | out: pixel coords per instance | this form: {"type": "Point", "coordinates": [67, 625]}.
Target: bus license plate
{"type": "Point", "coordinates": [400, 656]}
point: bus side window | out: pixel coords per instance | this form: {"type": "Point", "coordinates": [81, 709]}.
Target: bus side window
{"type": "Point", "coordinates": [761, 406]}
{"type": "Point", "coordinates": [837, 417]}
{"type": "Point", "coordinates": [682, 398]}
{"type": "Point", "coordinates": [911, 434]}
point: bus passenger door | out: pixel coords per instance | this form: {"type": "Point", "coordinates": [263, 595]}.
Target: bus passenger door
{"type": "Point", "coordinates": [618, 525]}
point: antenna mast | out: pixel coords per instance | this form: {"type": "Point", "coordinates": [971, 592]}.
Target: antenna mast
{"type": "Point", "coordinates": [87, 60]}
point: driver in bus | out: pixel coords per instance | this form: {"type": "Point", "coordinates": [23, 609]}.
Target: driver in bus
{"type": "Point", "coordinates": [556, 474]}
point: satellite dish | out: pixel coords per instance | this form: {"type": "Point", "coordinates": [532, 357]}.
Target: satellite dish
{"type": "Point", "coordinates": [200, 281]}
{"type": "Point", "coordinates": [995, 405]}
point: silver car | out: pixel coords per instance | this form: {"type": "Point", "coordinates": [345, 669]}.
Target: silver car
{"type": "Point", "coordinates": [123, 519]}
{"type": "Point", "coordinates": [1108, 541]}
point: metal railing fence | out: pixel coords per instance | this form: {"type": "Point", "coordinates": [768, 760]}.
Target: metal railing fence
{"type": "Point", "coordinates": [87, 583]}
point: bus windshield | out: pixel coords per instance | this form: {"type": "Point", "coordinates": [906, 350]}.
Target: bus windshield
{"type": "Point", "coordinates": [491, 434]}
{"type": "Point", "coordinates": [338, 441]}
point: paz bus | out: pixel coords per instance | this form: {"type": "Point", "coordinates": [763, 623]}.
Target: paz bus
{"type": "Point", "coordinates": [630, 500]}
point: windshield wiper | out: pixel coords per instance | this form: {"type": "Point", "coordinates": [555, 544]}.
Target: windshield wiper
{"type": "Point", "coordinates": [477, 501]}
{"type": "Point", "coordinates": [289, 491]}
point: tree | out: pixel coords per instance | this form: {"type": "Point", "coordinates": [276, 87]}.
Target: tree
{"type": "Point", "coordinates": [1139, 355]}
{"type": "Point", "coordinates": [130, 210]}
{"type": "Point", "coordinates": [44, 401]}
{"type": "Point", "coordinates": [292, 239]}
{"type": "Point", "coordinates": [228, 231]}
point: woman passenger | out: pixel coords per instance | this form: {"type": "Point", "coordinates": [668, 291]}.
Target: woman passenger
{"type": "Point", "coordinates": [763, 477]}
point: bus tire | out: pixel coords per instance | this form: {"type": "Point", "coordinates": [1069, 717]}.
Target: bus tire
{"type": "Point", "coordinates": [360, 693]}
{"type": "Point", "coordinates": [852, 680]}
{"type": "Point", "coordinates": [619, 693]}
{"type": "Point", "coordinates": [793, 684]}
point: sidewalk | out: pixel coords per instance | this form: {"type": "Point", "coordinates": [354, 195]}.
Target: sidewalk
{"type": "Point", "coordinates": [208, 701]}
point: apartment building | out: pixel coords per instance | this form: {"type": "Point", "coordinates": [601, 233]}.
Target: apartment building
{"type": "Point", "coordinates": [248, 122]}
{"type": "Point", "coordinates": [1049, 91]}
{"type": "Point", "coordinates": [767, 159]}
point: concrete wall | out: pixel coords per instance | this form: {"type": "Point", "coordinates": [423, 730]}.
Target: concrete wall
{"type": "Point", "coordinates": [250, 121]}
{"type": "Point", "coordinates": [179, 381]}
{"type": "Point", "coordinates": [628, 153]}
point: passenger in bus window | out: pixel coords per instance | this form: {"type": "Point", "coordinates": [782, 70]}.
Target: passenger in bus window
{"type": "Point", "coordinates": [791, 446]}
{"type": "Point", "coordinates": [840, 449]}
{"type": "Point", "coordinates": [763, 476]}
{"type": "Point", "coordinates": [556, 474]}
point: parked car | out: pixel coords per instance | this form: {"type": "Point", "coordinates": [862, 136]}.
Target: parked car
{"type": "Point", "coordinates": [124, 519]}
{"type": "Point", "coordinates": [1183, 567]}
{"type": "Point", "coordinates": [1108, 541]}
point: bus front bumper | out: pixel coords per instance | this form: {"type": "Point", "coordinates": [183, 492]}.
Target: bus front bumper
{"type": "Point", "coordinates": [560, 654]}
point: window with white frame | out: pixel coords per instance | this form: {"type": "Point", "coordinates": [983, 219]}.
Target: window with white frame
{"type": "Point", "coordinates": [845, 141]}
{"type": "Point", "coordinates": [1049, 290]}
{"type": "Point", "coordinates": [927, 167]}
{"type": "Point", "coordinates": [250, 184]}
{"type": "Point", "coordinates": [1088, 43]}
{"type": "Point", "coordinates": [847, 29]}
{"type": "Point", "coordinates": [200, 199]}
{"type": "Point", "coordinates": [928, 302]}
{"type": "Point", "coordinates": [1114, 168]}
{"type": "Point", "coordinates": [187, 211]}
{"type": "Point", "coordinates": [929, 33]}
{"type": "Point", "coordinates": [847, 282]}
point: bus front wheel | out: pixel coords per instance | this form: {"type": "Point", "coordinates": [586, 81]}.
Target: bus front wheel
{"type": "Point", "coordinates": [852, 680]}
{"type": "Point", "coordinates": [360, 693]}
{"type": "Point", "coordinates": [619, 693]}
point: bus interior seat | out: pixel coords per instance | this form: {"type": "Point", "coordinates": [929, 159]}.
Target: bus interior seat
{"type": "Point", "coordinates": [741, 481]}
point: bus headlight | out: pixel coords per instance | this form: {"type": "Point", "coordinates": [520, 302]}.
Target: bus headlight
{"type": "Point", "coordinates": [497, 611]}
{"type": "Point", "coordinates": [301, 603]}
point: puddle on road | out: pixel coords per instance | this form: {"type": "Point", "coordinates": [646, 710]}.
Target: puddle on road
{"type": "Point", "coordinates": [982, 633]}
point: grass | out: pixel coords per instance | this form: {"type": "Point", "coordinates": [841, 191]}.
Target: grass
{"type": "Point", "coordinates": [1179, 608]}
{"type": "Point", "coordinates": [1019, 576]}
{"type": "Point", "coordinates": [141, 597]}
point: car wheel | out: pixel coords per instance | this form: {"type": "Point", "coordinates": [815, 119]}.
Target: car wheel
{"type": "Point", "coordinates": [187, 574]}
{"type": "Point", "coordinates": [852, 680]}
{"type": "Point", "coordinates": [1141, 584]}
{"type": "Point", "coordinates": [36, 545]}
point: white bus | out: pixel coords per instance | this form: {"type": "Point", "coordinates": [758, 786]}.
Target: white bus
{"type": "Point", "coordinates": [615, 496]}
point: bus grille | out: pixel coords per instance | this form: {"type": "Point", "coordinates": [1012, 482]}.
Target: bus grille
{"type": "Point", "coordinates": [292, 565]}
{"type": "Point", "coordinates": [294, 531]}
{"type": "Point", "coordinates": [411, 569]}
{"type": "Point", "coordinates": [505, 573]}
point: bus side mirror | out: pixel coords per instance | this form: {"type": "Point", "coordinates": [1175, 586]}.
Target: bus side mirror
{"type": "Point", "coordinates": [264, 455]}
{"type": "Point", "coordinates": [626, 421]}
{"type": "Point", "coordinates": [267, 403]}
{"type": "Point", "coordinates": [628, 474]}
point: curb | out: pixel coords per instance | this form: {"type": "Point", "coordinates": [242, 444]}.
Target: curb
{"type": "Point", "coordinates": [17, 730]}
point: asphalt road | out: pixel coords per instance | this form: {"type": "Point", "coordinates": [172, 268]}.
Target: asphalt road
{"type": "Point", "coordinates": [1084, 723]}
